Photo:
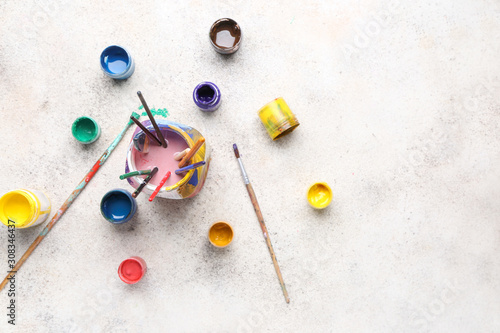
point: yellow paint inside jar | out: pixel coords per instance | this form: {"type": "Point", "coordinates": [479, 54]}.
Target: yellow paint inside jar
{"type": "Point", "coordinates": [319, 195]}
{"type": "Point", "coordinates": [16, 206]}
{"type": "Point", "coordinates": [220, 234]}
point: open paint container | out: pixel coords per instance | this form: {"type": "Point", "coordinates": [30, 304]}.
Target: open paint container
{"type": "Point", "coordinates": [206, 96]}
{"type": "Point", "coordinates": [220, 234]}
{"type": "Point", "coordinates": [117, 63]}
{"type": "Point", "coordinates": [118, 206]}
{"type": "Point", "coordinates": [24, 208]}
{"type": "Point", "coordinates": [179, 138]}
{"type": "Point", "coordinates": [225, 36]}
{"type": "Point", "coordinates": [132, 270]}
{"type": "Point", "coordinates": [319, 195]}
{"type": "Point", "coordinates": [85, 130]}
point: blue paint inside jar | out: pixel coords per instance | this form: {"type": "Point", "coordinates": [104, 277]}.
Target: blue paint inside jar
{"type": "Point", "coordinates": [117, 63]}
{"type": "Point", "coordinates": [115, 60]}
{"type": "Point", "coordinates": [118, 206]}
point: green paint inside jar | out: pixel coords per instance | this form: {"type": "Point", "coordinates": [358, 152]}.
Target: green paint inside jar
{"type": "Point", "coordinates": [85, 130]}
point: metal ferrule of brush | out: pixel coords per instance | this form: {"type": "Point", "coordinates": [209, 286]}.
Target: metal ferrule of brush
{"type": "Point", "coordinates": [243, 172]}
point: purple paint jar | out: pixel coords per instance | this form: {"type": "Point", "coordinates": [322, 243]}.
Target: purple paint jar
{"type": "Point", "coordinates": [206, 96]}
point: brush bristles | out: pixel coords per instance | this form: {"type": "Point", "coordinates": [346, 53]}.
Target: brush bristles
{"type": "Point", "coordinates": [236, 151]}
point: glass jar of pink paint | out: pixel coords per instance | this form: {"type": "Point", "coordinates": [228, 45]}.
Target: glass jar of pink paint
{"type": "Point", "coordinates": [144, 154]}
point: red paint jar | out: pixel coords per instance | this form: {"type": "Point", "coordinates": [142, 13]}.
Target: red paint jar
{"type": "Point", "coordinates": [132, 270]}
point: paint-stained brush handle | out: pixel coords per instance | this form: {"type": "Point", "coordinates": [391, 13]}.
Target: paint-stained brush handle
{"type": "Point", "coordinates": [76, 192]}
{"type": "Point", "coordinates": [146, 131]}
{"type": "Point", "coordinates": [145, 182]}
{"type": "Point", "coordinates": [189, 167]}
{"type": "Point", "coordinates": [162, 140]}
{"type": "Point", "coordinates": [180, 154]}
{"type": "Point", "coordinates": [135, 173]}
{"type": "Point", "coordinates": [158, 188]}
{"type": "Point", "coordinates": [191, 153]}
{"type": "Point", "coordinates": [256, 206]}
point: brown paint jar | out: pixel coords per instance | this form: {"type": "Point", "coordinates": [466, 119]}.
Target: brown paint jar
{"type": "Point", "coordinates": [225, 36]}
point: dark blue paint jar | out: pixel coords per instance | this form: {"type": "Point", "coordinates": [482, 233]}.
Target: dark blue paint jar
{"type": "Point", "coordinates": [117, 63]}
{"type": "Point", "coordinates": [118, 206]}
{"type": "Point", "coordinates": [207, 96]}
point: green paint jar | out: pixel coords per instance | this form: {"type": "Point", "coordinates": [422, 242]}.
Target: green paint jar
{"type": "Point", "coordinates": [85, 130]}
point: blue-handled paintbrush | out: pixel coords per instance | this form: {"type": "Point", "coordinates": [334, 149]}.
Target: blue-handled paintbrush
{"type": "Point", "coordinates": [189, 167]}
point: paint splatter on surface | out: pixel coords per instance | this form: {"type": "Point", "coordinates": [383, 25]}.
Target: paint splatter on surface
{"type": "Point", "coordinates": [156, 112]}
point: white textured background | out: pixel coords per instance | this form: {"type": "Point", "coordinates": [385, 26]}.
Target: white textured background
{"type": "Point", "coordinates": [399, 111]}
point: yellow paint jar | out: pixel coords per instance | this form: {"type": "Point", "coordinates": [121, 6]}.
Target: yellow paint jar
{"type": "Point", "coordinates": [319, 195]}
{"type": "Point", "coordinates": [25, 207]}
{"type": "Point", "coordinates": [220, 234]}
{"type": "Point", "coordinates": [278, 119]}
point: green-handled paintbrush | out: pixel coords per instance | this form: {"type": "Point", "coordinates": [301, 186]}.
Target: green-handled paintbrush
{"type": "Point", "coordinates": [68, 201]}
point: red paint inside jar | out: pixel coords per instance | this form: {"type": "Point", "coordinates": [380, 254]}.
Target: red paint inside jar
{"type": "Point", "coordinates": [132, 270]}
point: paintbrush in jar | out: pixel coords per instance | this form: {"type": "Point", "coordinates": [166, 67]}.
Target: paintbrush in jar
{"type": "Point", "coordinates": [158, 188]}
{"type": "Point", "coordinates": [146, 131]}
{"type": "Point", "coordinates": [191, 152]}
{"type": "Point", "coordinates": [162, 140]}
{"type": "Point", "coordinates": [189, 167]}
{"type": "Point", "coordinates": [145, 182]}
{"type": "Point", "coordinates": [135, 173]}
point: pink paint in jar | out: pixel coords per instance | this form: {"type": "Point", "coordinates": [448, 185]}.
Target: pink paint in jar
{"type": "Point", "coordinates": [144, 154]}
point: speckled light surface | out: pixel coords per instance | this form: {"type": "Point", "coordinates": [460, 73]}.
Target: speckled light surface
{"type": "Point", "coordinates": [399, 112]}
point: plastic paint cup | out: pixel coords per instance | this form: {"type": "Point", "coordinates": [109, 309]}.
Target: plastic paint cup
{"type": "Point", "coordinates": [319, 195]}
{"type": "Point", "coordinates": [26, 208]}
{"type": "Point", "coordinates": [117, 63]}
{"type": "Point", "coordinates": [132, 270]}
{"type": "Point", "coordinates": [207, 96]}
{"type": "Point", "coordinates": [278, 119]}
{"type": "Point", "coordinates": [225, 36]}
{"type": "Point", "coordinates": [118, 206]}
{"type": "Point", "coordinates": [86, 130]}
{"type": "Point", "coordinates": [220, 234]}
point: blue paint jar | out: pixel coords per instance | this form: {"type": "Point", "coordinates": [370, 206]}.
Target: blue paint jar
{"type": "Point", "coordinates": [118, 206]}
{"type": "Point", "coordinates": [207, 96]}
{"type": "Point", "coordinates": [117, 63]}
